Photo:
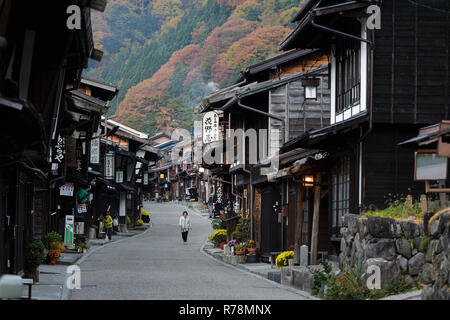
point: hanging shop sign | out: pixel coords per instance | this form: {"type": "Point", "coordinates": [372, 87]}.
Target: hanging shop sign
{"type": "Point", "coordinates": [109, 166]}
{"type": "Point", "coordinates": [60, 150]}
{"type": "Point", "coordinates": [68, 233]}
{"type": "Point", "coordinates": [119, 176]}
{"type": "Point", "coordinates": [58, 153]}
{"type": "Point", "coordinates": [145, 178]}
{"type": "Point", "coordinates": [210, 127]}
{"type": "Point", "coordinates": [66, 190]}
{"type": "Point", "coordinates": [82, 208]}
{"type": "Point", "coordinates": [95, 151]}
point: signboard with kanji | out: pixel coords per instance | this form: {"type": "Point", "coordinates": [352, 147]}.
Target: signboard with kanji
{"type": "Point", "coordinates": [95, 151]}
{"type": "Point", "coordinates": [109, 166]}
{"type": "Point", "coordinates": [210, 127]}
{"type": "Point", "coordinates": [68, 233]}
{"type": "Point", "coordinates": [66, 190]}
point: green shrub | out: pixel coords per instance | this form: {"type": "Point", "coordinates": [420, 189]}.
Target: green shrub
{"type": "Point", "coordinates": [51, 238]}
{"type": "Point", "coordinates": [242, 231]}
{"type": "Point", "coordinates": [347, 285]}
{"type": "Point", "coordinates": [398, 209]}
{"type": "Point", "coordinates": [34, 255]}
{"type": "Point", "coordinates": [218, 223]}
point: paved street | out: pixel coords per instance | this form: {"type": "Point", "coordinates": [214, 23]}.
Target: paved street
{"type": "Point", "coordinates": [157, 265]}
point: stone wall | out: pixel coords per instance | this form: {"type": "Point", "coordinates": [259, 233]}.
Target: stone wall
{"type": "Point", "coordinates": [437, 267]}
{"type": "Point", "coordinates": [400, 248]}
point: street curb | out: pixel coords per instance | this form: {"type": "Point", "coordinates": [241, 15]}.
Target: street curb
{"type": "Point", "coordinates": [66, 292]}
{"type": "Point", "coordinates": [404, 296]}
{"type": "Point", "coordinates": [253, 274]}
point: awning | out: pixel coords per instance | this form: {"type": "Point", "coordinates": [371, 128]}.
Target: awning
{"type": "Point", "coordinates": [125, 187]}
{"type": "Point", "coordinates": [21, 126]}
{"type": "Point", "coordinates": [85, 102]}
{"type": "Point", "coordinates": [321, 138]}
{"type": "Point", "coordinates": [426, 138]}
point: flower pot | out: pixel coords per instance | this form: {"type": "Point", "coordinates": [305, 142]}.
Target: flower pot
{"type": "Point", "coordinates": [52, 261]}
{"type": "Point", "coordinates": [222, 244]}
{"type": "Point", "coordinates": [240, 253]}
{"type": "Point", "coordinates": [252, 250]}
{"type": "Point", "coordinates": [291, 262]}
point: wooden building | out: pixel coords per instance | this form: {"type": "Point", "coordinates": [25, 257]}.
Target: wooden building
{"type": "Point", "coordinates": [40, 58]}
{"type": "Point", "coordinates": [385, 84]}
{"type": "Point", "coordinates": [278, 99]}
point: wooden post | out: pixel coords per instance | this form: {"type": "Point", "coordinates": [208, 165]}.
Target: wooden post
{"type": "Point", "coordinates": [423, 203]}
{"type": "Point", "coordinates": [299, 222]}
{"type": "Point", "coordinates": [315, 223]}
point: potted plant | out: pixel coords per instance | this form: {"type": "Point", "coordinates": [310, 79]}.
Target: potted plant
{"type": "Point", "coordinates": [52, 240]}
{"type": "Point", "coordinates": [34, 256]}
{"type": "Point", "coordinates": [219, 238]}
{"type": "Point", "coordinates": [242, 231]}
{"type": "Point", "coordinates": [53, 255]}
{"type": "Point", "coordinates": [240, 249]}
{"type": "Point", "coordinates": [251, 247]}
{"type": "Point", "coordinates": [82, 247]}
{"type": "Point", "coordinates": [283, 258]}
{"type": "Point", "coordinates": [53, 243]}
{"type": "Point", "coordinates": [232, 243]}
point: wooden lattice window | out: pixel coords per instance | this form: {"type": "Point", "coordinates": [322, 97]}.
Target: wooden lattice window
{"type": "Point", "coordinates": [340, 193]}
{"type": "Point", "coordinates": [348, 75]}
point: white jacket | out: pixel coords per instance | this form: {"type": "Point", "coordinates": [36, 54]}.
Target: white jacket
{"type": "Point", "coordinates": [184, 223]}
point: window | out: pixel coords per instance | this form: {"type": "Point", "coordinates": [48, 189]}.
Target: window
{"type": "Point", "coordinates": [340, 197]}
{"type": "Point", "coordinates": [348, 75]}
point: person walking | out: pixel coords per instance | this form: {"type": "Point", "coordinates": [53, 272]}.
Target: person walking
{"type": "Point", "coordinates": [185, 225]}
{"type": "Point", "coordinates": [108, 224]}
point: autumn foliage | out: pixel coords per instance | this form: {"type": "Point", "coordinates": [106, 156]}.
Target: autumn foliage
{"type": "Point", "coordinates": [167, 54]}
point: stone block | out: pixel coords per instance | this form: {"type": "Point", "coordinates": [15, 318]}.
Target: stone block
{"type": "Point", "coordinates": [274, 276]}
{"type": "Point", "coordinates": [403, 247]}
{"type": "Point", "coordinates": [303, 279]}
{"type": "Point", "coordinates": [304, 255]}
{"type": "Point", "coordinates": [287, 277]}
{"type": "Point", "coordinates": [410, 229]}
{"type": "Point", "coordinates": [381, 227]}
{"type": "Point", "coordinates": [383, 248]}
{"type": "Point", "coordinates": [415, 264]}
{"type": "Point", "coordinates": [428, 274]}
{"type": "Point", "coordinates": [389, 271]}
{"type": "Point", "coordinates": [403, 263]}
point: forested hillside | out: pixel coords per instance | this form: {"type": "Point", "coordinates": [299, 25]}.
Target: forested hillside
{"type": "Point", "coordinates": [165, 55]}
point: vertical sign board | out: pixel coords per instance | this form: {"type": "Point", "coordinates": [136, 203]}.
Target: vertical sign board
{"type": "Point", "coordinates": [66, 190]}
{"type": "Point", "coordinates": [109, 166]}
{"type": "Point", "coordinates": [95, 151]}
{"type": "Point", "coordinates": [68, 231]}
{"type": "Point", "coordinates": [119, 176]}
{"type": "Point", "coordinates": [210, 127]}
{"type": "Point", "coordinates": [145, 178]}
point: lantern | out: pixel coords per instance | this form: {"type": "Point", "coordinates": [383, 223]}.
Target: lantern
{"type": "Point", "coordinates": [308, 181]}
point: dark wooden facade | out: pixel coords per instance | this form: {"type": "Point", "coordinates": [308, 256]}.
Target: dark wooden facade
{"type": "Point", "coordinates": [403, 85]}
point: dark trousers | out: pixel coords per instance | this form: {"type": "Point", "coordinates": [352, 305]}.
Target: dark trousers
{"type": "Point", "coordinates": [109, 233]}
{"type": "Point", "coordinates": [184, 235]}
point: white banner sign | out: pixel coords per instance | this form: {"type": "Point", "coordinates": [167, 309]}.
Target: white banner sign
{"type": "Point", "coordinates": [210, 127]}
{"type": "Point", "coordinates": [109, 166]}
{"type": "Point", "coordinates": [95, 151]}
{"type": "Point", "coordinates": [66, 190]}
{"type": "Point", "coordinates": [119, 176]}
{"type": "Point", "coordinates": [145, 178]}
